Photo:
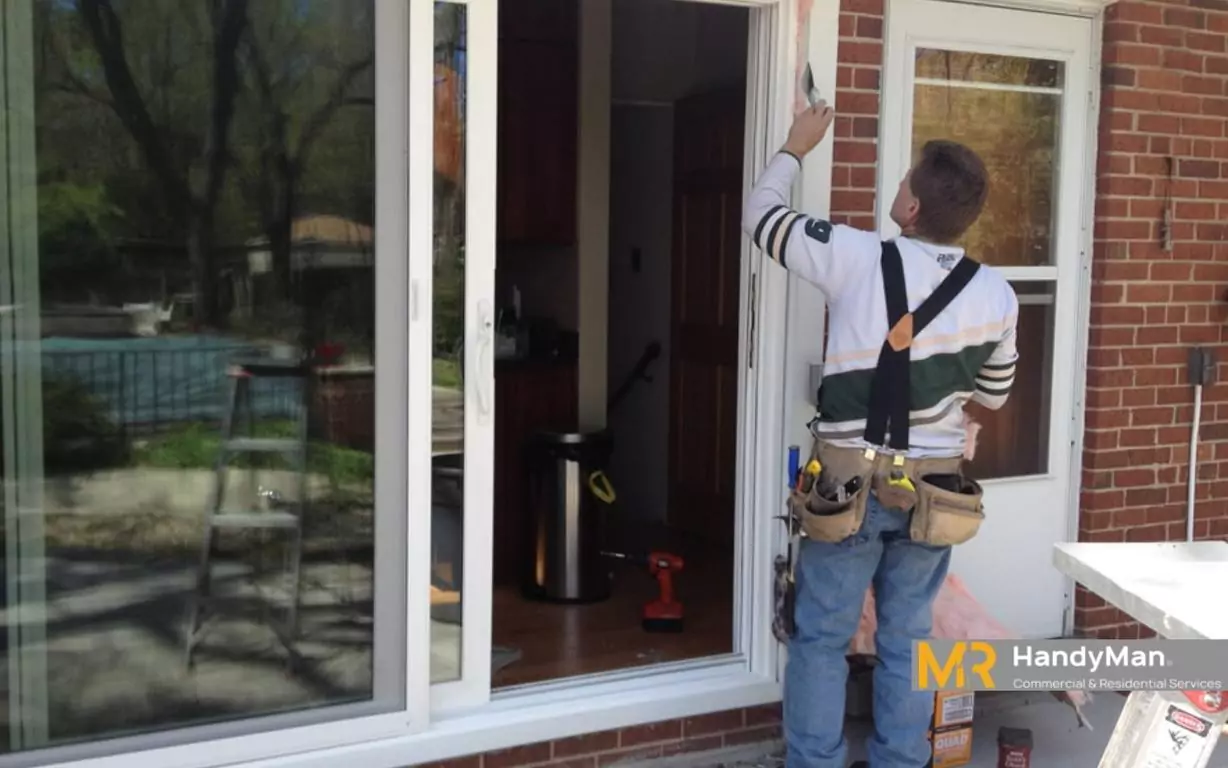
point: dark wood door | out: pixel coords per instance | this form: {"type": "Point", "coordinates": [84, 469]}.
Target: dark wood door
{"type": "Point", "coordinates": [708, 132]}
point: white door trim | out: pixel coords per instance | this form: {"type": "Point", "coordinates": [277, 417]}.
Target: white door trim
{"type": "Point", "coordinates": [998, 29]}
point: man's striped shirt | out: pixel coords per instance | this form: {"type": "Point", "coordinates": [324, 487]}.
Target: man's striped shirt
{"type": "Point", "coordinates": [966, 353]}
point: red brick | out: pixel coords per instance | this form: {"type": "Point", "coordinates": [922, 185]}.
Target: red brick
{"type": "Point", "coordinates": [871, 27]}
{"type": "Point", "coordinates": [472, 761]}
{"type": "Point", "coordinates": [687, 746]}
{"type": "Point", "coordinates": [586, 744]}
{"type": "Point", "coordinates": [652, 732]}
{"type": "Point", "coordinates": [1138, 55]}
{"type": "Point", "coordinates": [716, 722]}
{"type": "Point", "coordinates": [1167, 36]}
{"type": "Point", "coordinates": [867, 7]}
{"type": "Point", "coordinates": [575, 762]}
{"type": "Point", "coordinates": [765, 714]}
{"type": "Point", "coordinates": [861, 52]}
{"type": "Point", "coordinates": [865, 127]}
{"type": "Point", "coordinates": [1205, 42]}
{"type": "Point", "coordinates": [752, 735]}
{"type": "Point", "coordinates": [1178, 102]}
{"type": "Point", "coordinates": [1157, 123]}
{"type": "Point", "coordinates": [1184, 17]}
{"type": "Point", "coordinates": [854, 152]}
{"type": "Point", "coordinates": [1148, 293]}
{"type": "Point", "coordinates": [1201, 169]}
{"type": "Point", "coordinates": [1159, 79]}
{"type": "Point", "coordinates": [848, 25]}
{"type": "Point", "coordinates": [1121, 32]}
{"type": "Point", "coordinates": [1140, 12]}
{"type": "Point", "coordinates": [862, 177]}
{"type": "Point", "coordinates": [1202, 126]}
{"type": "Point", "coordinates": [844, 75]}
{"type": "Point", "coordinates": [1186, 60]}
{"type": "Point", "coordinates": [517, 756]}
{"type": "Point", "coordinates": [867, 78]}
{"type": "Point", "coordinates": [628, 755]}
{"type": "Point", "coordinates": [857, 102]}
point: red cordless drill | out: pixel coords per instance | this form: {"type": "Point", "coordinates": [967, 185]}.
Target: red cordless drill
{"type": "Point", "coordinates": [665, 613]}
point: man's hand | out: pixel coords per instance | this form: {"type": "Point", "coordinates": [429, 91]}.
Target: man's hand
{"type": "Point", "coordinates": [809, 128]}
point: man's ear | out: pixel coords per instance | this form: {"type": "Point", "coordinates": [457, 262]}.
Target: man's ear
{"type": "Point", "coordinates": [912, 211]}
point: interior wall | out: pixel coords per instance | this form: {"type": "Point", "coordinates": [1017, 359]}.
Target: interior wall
{"type": "Point", "coordinates": [663, 50]}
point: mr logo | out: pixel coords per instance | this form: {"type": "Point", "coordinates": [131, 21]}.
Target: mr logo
{"type": "Point", "coordinates": [956, 662]}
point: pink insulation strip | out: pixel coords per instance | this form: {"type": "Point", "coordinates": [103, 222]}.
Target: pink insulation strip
{"type": "Point", "coordinates": [803, 53]}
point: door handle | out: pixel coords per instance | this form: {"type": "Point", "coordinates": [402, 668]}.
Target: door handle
{"type": "Point", "coordinates": [485, 361]}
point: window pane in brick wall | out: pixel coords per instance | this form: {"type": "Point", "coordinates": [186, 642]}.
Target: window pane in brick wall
{"type": "Point", "coordinates": [932, 64]}
{"type": "Point", "coordinates": [1014, 440]}
{"type": "Point", "coordinates": [1015, 132]}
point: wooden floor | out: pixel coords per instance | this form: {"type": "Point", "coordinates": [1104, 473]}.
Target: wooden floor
{"type": "Point", "coordinates": [560, 641]}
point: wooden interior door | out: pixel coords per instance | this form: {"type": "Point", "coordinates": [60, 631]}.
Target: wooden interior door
{"type": "Point", "coordinates": [708, 139]}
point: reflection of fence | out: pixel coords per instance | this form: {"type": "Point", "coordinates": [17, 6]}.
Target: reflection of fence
{"type": "Point", "coordinates": [146, 390]}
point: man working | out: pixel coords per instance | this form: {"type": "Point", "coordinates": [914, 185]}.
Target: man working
{"type": "Point", "coordinates": [917, 329]}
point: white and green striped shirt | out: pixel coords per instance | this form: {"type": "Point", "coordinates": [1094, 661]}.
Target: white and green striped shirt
{"type": "Point", "coordinates": [966, 353]}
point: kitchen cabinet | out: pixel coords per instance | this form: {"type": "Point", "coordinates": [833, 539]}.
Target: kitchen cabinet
{"type": "Point", "coordinates": [538, 121]}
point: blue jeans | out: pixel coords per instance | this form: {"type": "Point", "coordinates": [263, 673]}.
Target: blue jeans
{"type": "Point", "coordinates": [831, 585]}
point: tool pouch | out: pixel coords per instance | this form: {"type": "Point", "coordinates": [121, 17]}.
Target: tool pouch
{"type": "Point", "coordinates": [949, 510]}
{"type": "Point", "coordinates": [893, 496]}
{"type": "Point", "coordinates": [826, 519]}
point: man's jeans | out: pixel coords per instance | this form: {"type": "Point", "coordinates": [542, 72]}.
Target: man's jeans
{"type": "Point", "coordinates": [831, 585]}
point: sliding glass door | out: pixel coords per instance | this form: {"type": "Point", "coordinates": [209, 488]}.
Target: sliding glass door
{"type": "Point", "coordinates": [203, 296]}
{"type": "Point", "coordinates": [453, 342]}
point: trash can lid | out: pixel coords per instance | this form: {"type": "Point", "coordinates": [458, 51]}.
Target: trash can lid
{"type": "Point", "coordinates": [573, 438]}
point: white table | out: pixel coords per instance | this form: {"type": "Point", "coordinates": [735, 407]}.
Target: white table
{"type": "Point", "coordinates": [1171, 587]}
{"type": "Point", "coordinates": [1163, 585]}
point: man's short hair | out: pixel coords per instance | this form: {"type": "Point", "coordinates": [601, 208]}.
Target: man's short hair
{"type": "Point", "coordinates": [951, 183]}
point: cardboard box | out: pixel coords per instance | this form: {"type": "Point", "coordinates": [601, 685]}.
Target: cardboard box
{"type": "Point", "coordinates": [951, 734]}
{"type": "Point", "coordinates": [953, 708]}
{"type": "Point", "coordinates": [952, 746]}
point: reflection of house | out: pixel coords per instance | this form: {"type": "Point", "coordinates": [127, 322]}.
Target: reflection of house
{"type": "Point", "coordinates": [343, 247]}
{"type": "Point", "coordinates": [317, 242]}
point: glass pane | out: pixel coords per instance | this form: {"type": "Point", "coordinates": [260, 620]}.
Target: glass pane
{"type": "Point", "coordinates": [1019, 145]}
{"type": "Point", "coordinates": [186, 363]}
{"type": "Point", "coordinates": [1014, 440]}
{"type": "Point", "coordinates": [932, 64]}
{"type": "Point", "coordinates": [448, 406]}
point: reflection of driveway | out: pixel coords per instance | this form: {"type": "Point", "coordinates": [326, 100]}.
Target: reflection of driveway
{"type": "Point", "coordinates": [447, 420]}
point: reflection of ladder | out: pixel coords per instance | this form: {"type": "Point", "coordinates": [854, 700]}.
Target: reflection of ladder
{"type": "Point", "coordinates": [270, 514]}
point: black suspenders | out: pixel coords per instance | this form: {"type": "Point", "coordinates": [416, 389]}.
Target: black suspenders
{"type": "Point", "coordinates": [890, 389]}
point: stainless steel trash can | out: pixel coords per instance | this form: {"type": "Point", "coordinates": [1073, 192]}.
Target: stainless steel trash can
{"type": "Point", "coordinates": [567, 499]}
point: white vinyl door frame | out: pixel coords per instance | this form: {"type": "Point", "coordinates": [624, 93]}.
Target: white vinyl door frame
{"type": "Point", "coordinates": [771, 56]}
{"type": "Point", "coordinates": [1071, 39]}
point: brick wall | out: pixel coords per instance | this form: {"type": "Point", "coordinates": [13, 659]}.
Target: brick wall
{"type": "Point", "coordinates": [1165, 96]}
{"type": "Point", "coordinates": [855, 133]}
{"type": "Point", "coordinates": [718, 730]}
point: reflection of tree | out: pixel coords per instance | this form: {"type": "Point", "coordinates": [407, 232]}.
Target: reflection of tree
{"type": "Point", "coordinates": [195, 196]}
{"type": "Point", "coordinates": [279, 68]}
{"type": "Point", "coordinates": [449, 178]}
{"type": "Point", "coordinates": [1015, 133]}
{"type": "Point", "coordinates": [184, 129]}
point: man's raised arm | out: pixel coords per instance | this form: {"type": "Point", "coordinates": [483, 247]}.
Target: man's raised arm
{"type": "Point", "coordinates": [812, 248]}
